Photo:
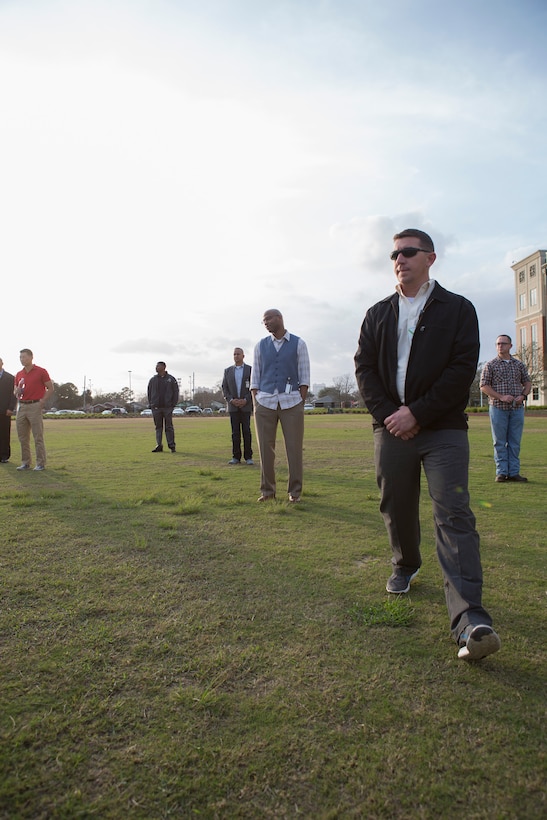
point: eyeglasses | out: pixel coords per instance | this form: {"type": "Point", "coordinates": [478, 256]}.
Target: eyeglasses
{"type": "Point", "coordinates": [408, 253]}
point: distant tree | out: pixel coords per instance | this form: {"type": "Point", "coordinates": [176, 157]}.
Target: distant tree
{"type": "Point", "coordinates": [347, 389]}
{"type": "Point", "coordinates": [476, 396]}
{"type": "Point", "coordinates": [203, 396]}
{"type": "Point", "coordinates": [67, 396]}
{"type": "Point", "coordinates": [111, 398]}
{"type": "Point", "coordinates": [532, 357]}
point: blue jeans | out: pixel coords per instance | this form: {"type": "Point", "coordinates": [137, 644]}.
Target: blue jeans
{"type": "Point", "coordinates": [507, 426]}
{"type": "Point", "coordinates": [444, 457]}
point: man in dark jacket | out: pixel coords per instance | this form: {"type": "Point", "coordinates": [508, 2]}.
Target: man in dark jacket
{"type": "Point", "coordinates": [235, 389]}
{"type": "Point", "coordinates": [163, 395]}
{"type": "Point", "coordinates": [416, 360]}
{"type": "Point", "coordinates": [8, 403]}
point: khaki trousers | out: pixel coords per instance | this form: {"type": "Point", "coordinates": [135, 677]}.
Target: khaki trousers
{"type": "Point", "coordinates": [29, 418]}
{"type": "Point", "coordinates": [292, 425]}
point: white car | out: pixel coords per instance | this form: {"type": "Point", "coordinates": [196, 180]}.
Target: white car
{"type": "Point", "coordinates": [193, 410]}
{"type": "Point", "coordinates": [69, 413]}
{"type": "Point", "coordinates": [147, 412]}
{"type": "Point", "coordinates": [178, 411]}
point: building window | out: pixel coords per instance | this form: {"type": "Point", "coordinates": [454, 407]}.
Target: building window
{"type": "Point", "coordinates": [535, 393]}
{"type": "Point", "coordinates": [522, 301]}
{"type": "Point", "coordinates": [522, 338]}
{"type": "Point", "coordinates": [534, 345]}
{"type": "Point", "coordinates": [532, 270]}
{"type": "Point", "coordinates": [521, 276]}
{"type": "Point", "coordinates": [533, 296]}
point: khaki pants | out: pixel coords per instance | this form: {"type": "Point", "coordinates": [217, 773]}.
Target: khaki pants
{"type": "Point", "coordinates": [29, 418]}
{"type": "Point", "coordinates": [292, 424]}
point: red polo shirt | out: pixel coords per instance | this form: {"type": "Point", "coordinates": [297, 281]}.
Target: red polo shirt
{"type": "Point", "coordinates": [34, 383]}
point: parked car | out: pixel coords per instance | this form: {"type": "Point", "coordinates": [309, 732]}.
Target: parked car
{"type": "Point", "coordinates": [178, 411]}
{"type": "Point", "coordinates": [116, 411]}
{"type": "Point", "coordinates": [69, 413]}
{"type": "Point", "coordinates": [207, 411]}
{"type": "Point", "coordinates": [193, 410]}
{"type": "Point", "coordinates": [146, 412]}
{"type": "Point", "coordinates": [309, 407]}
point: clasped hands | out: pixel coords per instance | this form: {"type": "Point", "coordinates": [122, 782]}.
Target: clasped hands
{"type": "Point", "coordinates": [402, 424]}
{"type": "Point", "coordinates": [238, 402]}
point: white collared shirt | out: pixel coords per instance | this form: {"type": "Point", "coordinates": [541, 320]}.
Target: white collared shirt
{"type": "Point", "coordinates": [410, 310]}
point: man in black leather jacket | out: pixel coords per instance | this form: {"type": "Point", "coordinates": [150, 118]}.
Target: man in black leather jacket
{"type": "Point", "coordinates": [417, 357]}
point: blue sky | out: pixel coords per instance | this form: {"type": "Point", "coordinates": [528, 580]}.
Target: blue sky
{"type": "Point", "coordinates": [170, 170]}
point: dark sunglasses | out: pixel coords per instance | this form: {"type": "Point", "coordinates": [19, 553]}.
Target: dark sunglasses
{"type": "Point", "coordinates": [408, 253]}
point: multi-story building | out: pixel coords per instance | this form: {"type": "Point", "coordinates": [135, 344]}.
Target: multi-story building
{"type": "Point", "coordinates": [531, 302]}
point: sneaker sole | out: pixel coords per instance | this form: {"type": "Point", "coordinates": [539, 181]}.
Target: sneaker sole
{"type": "Point", "coordinates": [402, 591]}
{"type": "Point", "coordinates": [481, 646]}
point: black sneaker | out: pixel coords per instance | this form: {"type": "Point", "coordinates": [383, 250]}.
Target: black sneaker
{"type": "Point", "coordinates": [477, 642]}
{"type": "Point", "coordinates": [516, 477]}
{"type": "Point", "coordinates": [501, 477]}
{"type": "Point", "coordinates": [158, 449]}
{"type": "Point", "coordinates": [399, 584]}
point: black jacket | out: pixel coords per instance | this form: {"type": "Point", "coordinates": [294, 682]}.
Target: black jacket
{"type": "Point", "coordinates": [171, 391]}
{"type": "Point", "coordinates": [441, 367]}
{"type": "Point", "coordinates": [7, 397]}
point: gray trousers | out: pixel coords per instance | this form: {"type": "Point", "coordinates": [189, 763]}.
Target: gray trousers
{"type": "Point", "coordinates": [444, 455]}
{"type": "Point", "coordinates": [163, 417]}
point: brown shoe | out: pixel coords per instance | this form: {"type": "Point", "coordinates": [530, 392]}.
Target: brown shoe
{"type": "Point", "coordinates": [501, 477]}
{"type": "Point", "coordinates": [516, 477]}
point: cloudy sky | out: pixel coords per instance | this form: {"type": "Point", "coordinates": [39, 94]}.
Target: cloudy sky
{"type": "Point", "coordinates": [172, 168]}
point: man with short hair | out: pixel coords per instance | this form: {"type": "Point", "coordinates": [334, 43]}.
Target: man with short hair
{"type": "Point", "coordinates": [8, 403]}
{"type": "Point", "coordinates": [279, 384]}
{"type": "Point", "coordinates": [416, 360]}
{"type": "Point", "coordinates": [163, 395]}
{"type": "Point", "coordinates": [507, 384]}
{"type": "Point", "coordinates": [33, 387]}
{"type": "Point", "coordinates": [236, 391]}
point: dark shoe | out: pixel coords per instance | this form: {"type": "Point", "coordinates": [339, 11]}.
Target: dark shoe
{"type": "Point", "coordinates": [477, 642]}
{"type": "Point", "coordinates": [158, 449]}
{"type": "Point", "coordinates": [501, 477]}
{"type": "Point", "coordinates": [294, 499]}
{"type": "Point", "coordinates": [234, 461]}
{"type": "Point", "coordinates": [399, 584]}
{"type": "Point", "coordinates": [4, 460]}
{"type": "Point", "coordinates": [173, 449]}
{"type": "Point", "coordinates": [516, 477]}
{"type": "Point", "coordinates": [250, 462]}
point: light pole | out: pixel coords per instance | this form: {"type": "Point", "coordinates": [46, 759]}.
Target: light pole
{"type": "Point", "coordinates": [130, 393]}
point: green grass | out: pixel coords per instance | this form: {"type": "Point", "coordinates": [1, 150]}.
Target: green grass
{"type": "Point", "coordinates": [171, 648]}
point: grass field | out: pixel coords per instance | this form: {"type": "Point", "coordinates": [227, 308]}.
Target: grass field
{"type": "Point", "coordinates": [171, 648]}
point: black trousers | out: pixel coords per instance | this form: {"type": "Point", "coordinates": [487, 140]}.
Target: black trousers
{"type": "Point", "coordinates": [241, 426]}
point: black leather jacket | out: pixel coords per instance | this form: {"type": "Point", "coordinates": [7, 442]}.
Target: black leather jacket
{"type": "Point", "coordinates": [441, 367]}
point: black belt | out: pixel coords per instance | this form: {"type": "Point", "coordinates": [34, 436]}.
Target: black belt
{"type": "Point", "coordinates": [30, 401]}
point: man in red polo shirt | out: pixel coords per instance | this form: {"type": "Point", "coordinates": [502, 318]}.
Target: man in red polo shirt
{"type": "Point", "coordinates": [32, 387]}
